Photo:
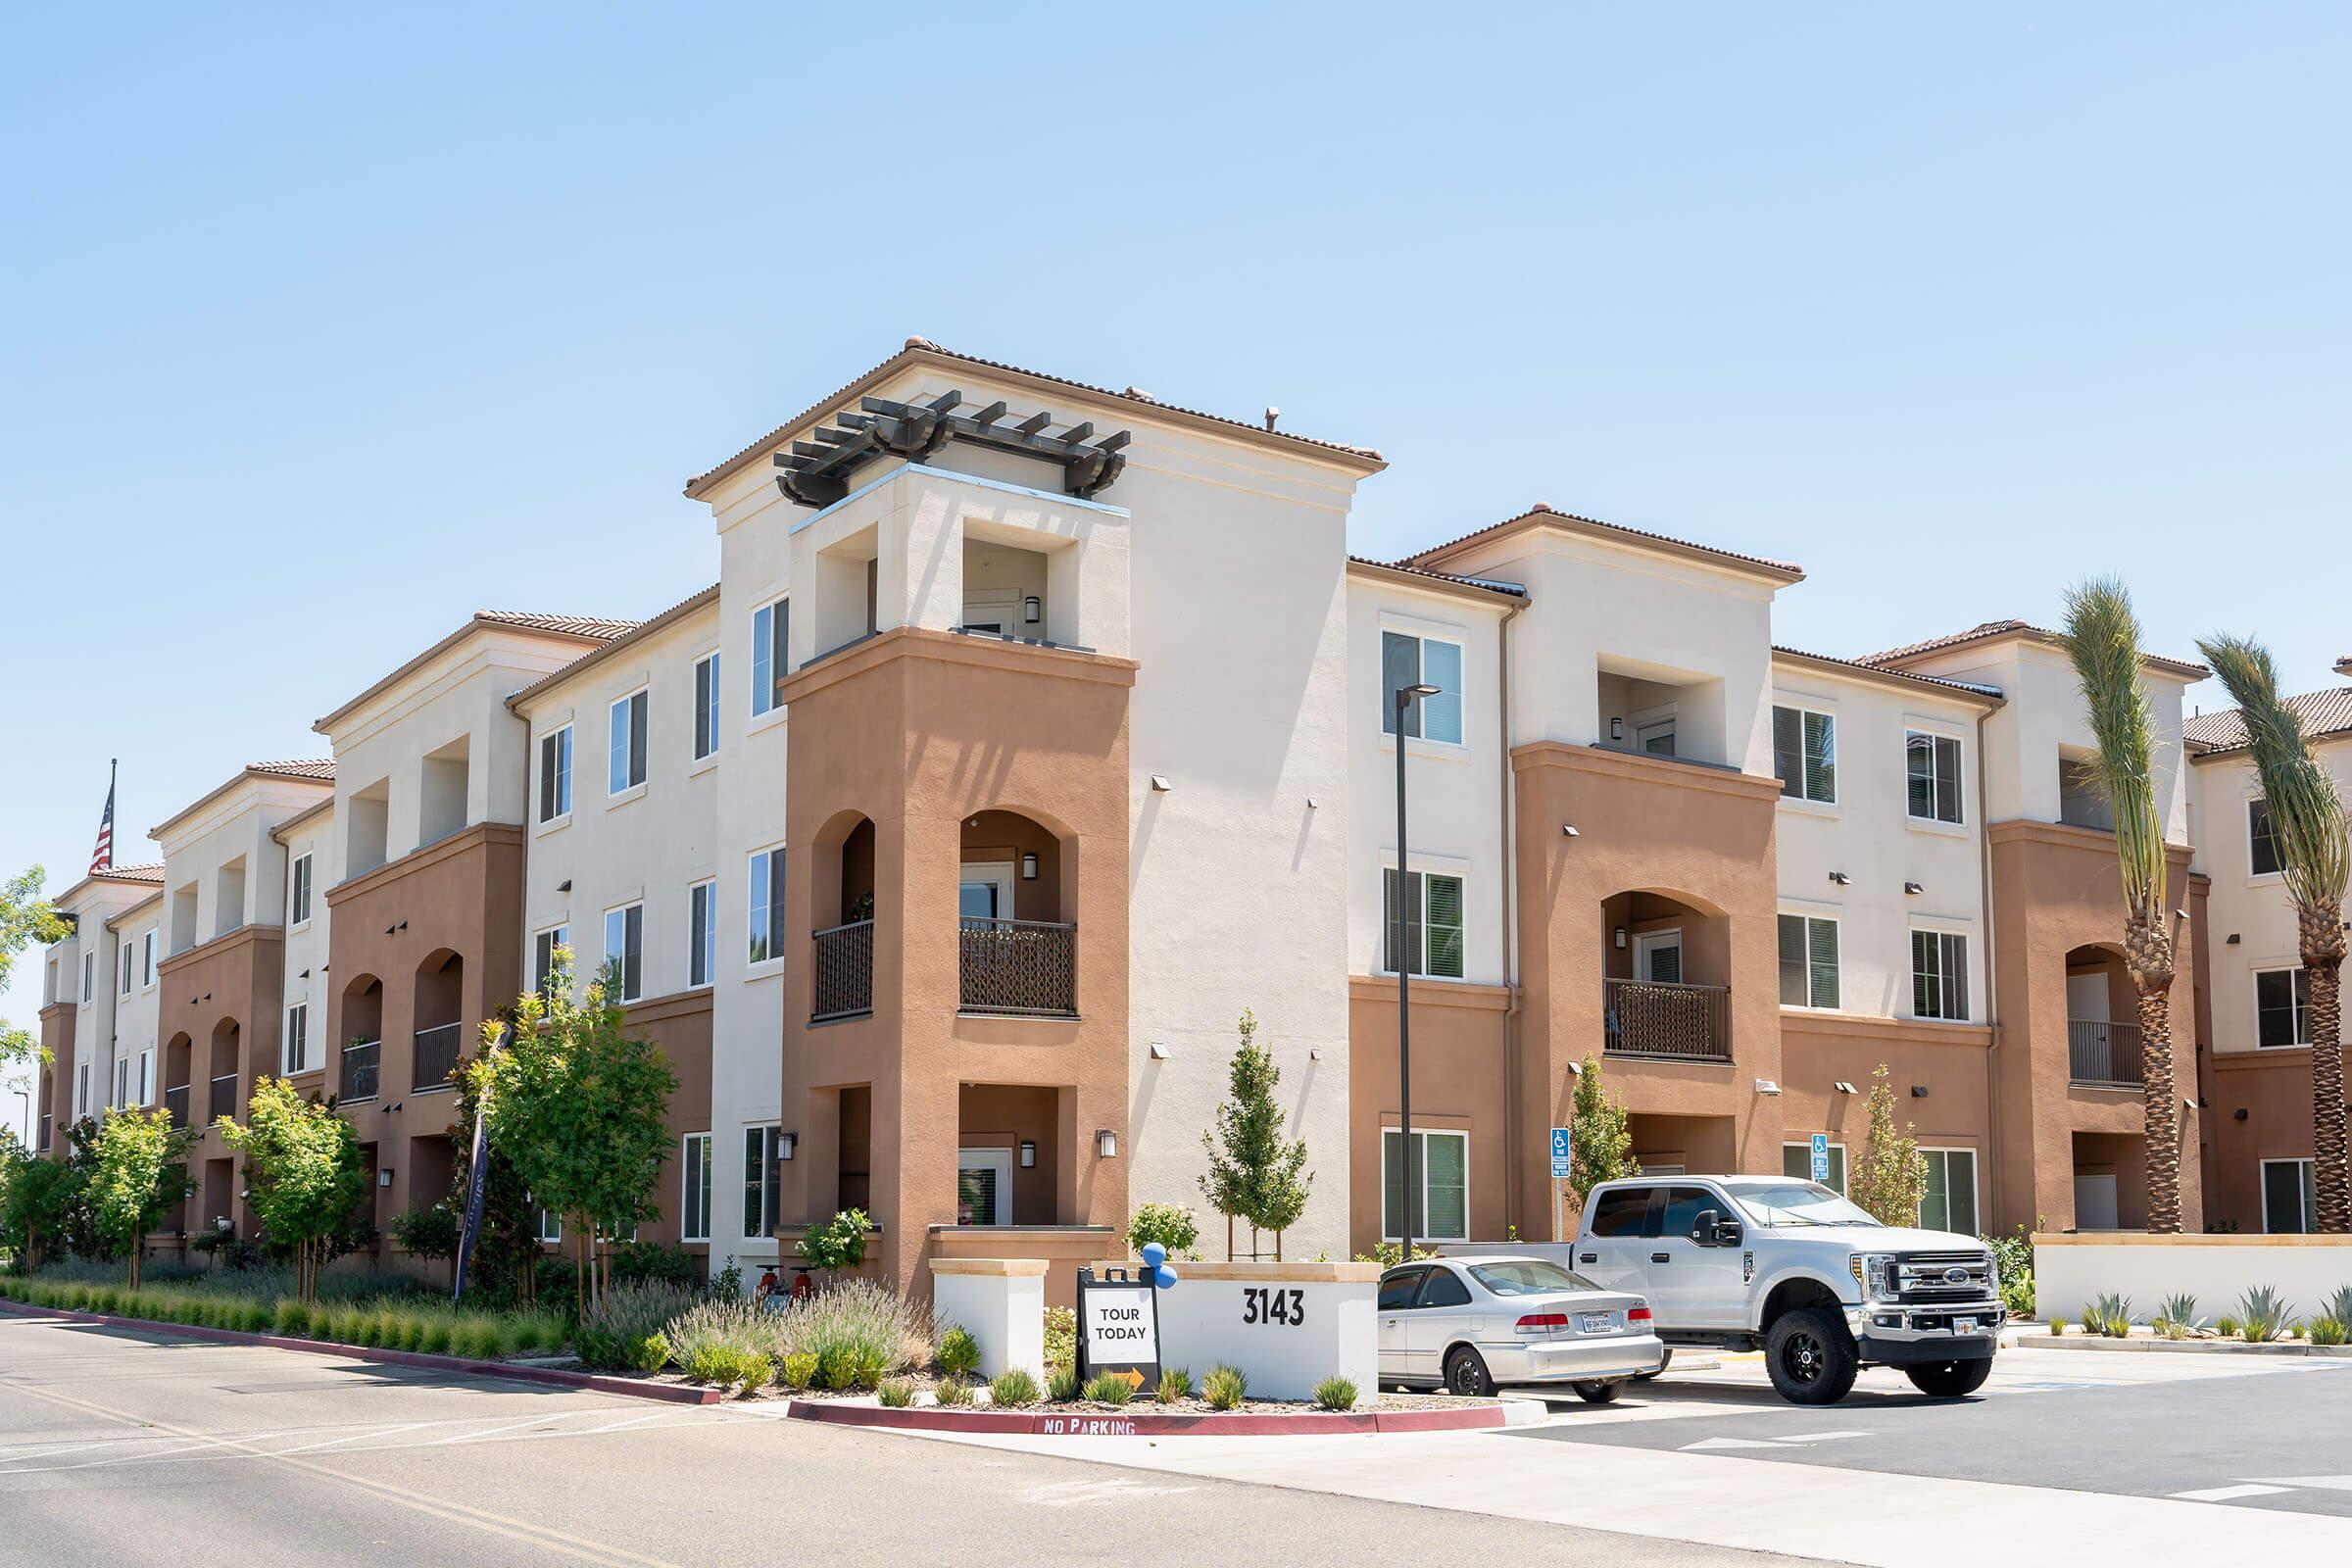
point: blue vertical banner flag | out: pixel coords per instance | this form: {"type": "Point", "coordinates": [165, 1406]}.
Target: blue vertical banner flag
{"type": "Point", "coordinates": [477, 1178]}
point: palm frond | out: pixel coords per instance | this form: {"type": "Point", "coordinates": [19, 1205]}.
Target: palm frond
{"type": "Point", "coordinates": [2102, 639]}
{"type": "Point", "coordinates": [2307, 812]}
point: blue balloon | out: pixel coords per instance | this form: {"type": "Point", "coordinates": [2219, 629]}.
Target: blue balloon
{"type": "Point", "coordinates": [1154, 1254]}
{"type": "Point", "coordinates": [1165, 1277]}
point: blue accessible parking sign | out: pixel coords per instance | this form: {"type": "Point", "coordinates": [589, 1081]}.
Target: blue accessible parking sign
{"type": "Point", "coordinates": [1821, 1156]}
{"type": "Point", "coordinates": [1559, 1153]}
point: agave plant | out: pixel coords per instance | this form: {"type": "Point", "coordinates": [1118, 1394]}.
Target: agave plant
{"type": "Point", "coordinates": [2102, 639]}
{"type": "Point", "coordinates": [2313, 840]}
{"type": "Point", "coordinates": [2109, 1315]}
{"type": "Point", "coordinates": [2261, 1314]}
{"type": "Point", "coordinates": [2177, 1316]}
{"type": "Point", "coordinates": [2339, 1305]}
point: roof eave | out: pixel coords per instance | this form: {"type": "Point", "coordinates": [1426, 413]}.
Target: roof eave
{"type": "Point", "coordinates": [1903, 679]}
{"type": "Point", "coordinates": [473, 624]}
{"type": "Point", "coordinates": [1783, 572]}
{"type": "Point", "coordinates": [1436, 582]}
{"type": "Point", "coordinates": [681, 610]}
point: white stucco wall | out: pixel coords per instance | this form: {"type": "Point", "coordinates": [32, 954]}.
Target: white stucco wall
{"type": "Point", "coordinates": [305, 980]}
{"type": "Point", "coordinates": [92, 904]}
{"type": "Point", "coordinates": [136, 1015]}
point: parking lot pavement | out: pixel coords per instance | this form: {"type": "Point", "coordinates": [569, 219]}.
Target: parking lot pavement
{"type": "Point", "coordinates": [2065, 1457]}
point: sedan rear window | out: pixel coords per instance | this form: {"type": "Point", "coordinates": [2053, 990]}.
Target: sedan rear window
{"type": "Point", "coordinates": [1398, 1288]}
{"type": "Point", "coordinates": [1445, 1289]}
{"type": "Point", "coordinates": [1528, 1279]}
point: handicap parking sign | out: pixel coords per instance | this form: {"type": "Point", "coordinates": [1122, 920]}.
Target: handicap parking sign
{"type": "Point", "coordinates": [1559, 1154]}
{"type": "Point", "coordinates": [1821, 1156]}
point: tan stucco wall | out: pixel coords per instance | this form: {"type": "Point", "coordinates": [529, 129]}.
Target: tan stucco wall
{"type": "Point", "coordinates": [1819, 1050]}
{"type": "Point", "coordinates": [57, 1079]}
{"type": "Point", "coordinates": [1458, 1085]}
{"type": "Point", "coordinates": [232, 979]}
{"type": "Point", "coordinates": [679, 1025]}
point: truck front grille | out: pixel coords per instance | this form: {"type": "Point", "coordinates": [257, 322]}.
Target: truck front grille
{"type": "Point", "coordinates": [1928, 1277]}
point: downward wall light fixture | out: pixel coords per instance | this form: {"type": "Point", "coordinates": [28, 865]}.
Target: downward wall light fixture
{"type": "Point", "coordinates": [787, 1144]}
{"type": "Point", "coordinates": [1028, 1154]}
{"type": "Point", "coordinates": [1844, 1088]}
{"type": "Point", "coordinates": [1620, 937]}
{"type": "Point", "coordinates": [1840, 878]}
{"type": "Point", "coordinates": [1033, 610]}
{"type": "Point", "coordinates": [1029, 867]}
{"type": "Point", "coordinates": [1765, 1086]}
{"type": "Point", "coordinates": [1106, 1143]}
{"type": "Point", "coordinates": [1915, 889]}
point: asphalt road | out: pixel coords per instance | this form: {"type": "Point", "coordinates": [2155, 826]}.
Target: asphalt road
{"type": "Point", "coordinates": [120, 1446]}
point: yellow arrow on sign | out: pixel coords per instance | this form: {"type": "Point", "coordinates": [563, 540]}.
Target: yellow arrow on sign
{"type": "Point", "coordinates": [1131, 1378]}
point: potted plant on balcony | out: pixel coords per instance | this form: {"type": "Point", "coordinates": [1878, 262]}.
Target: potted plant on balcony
{"type": "Point", "coordinates": [836, 1244]}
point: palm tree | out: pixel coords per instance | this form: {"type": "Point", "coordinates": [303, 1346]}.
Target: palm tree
{"type": "Point", "coordinates": [2315, 858]}
{"type": "Point", "coordinates": [2102, 638]}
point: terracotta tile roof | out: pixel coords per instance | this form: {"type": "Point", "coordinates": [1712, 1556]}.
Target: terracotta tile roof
{"type": "Point", "coordinates": [563, 625]}
{"type": "Point", "coordinates": [319, 767]}
{"type": "Point", "coordinates": [2323, 714]}
{"type": "Point", "coordinates": [1542, 513]}
{"type": "Point", "coordinates": [1488, 585]}
{"type": "Point", "coordinates": [1963, 688]}
{"type": "Point", "coordinates": [920, 350]}
{"type": "Point", "coordinates": [642, 630]}
{"type": "Point", "coordinates": [1994, 630]}
{"type": "Point", "coordinates": [577, 628]}
{"type": "Point", "coordinates": [144, 871]}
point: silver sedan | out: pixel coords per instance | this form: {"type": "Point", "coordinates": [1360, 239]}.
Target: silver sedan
{"type": "Point", "coordinates": [1467, 1325]}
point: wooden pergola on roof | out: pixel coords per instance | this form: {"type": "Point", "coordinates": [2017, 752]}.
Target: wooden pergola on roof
{"type": "Point", "coordinates": [817, 473]}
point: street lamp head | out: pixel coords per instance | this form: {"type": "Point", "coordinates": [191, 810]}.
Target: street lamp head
{"type": "Point", "coordinates": [1406, 694]}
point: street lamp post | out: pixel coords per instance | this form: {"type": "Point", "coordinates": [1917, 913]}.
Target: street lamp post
{"type": "Point", "coordinates": [1404, 978]}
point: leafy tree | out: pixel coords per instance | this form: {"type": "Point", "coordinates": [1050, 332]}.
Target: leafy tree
{"type": "Point", "coordinates": [1890, 1178]}
{"type": "Point", "coordinates": [582, 1110]}
{"type": "Point", "coordinates": [36, 1193]}
{"type": "Point", "coordinates": [25, 917]}
{"type": "Point", "coordinates": [1171, 1225]}
{"type": "Point", "coordinates": [138, 1171]}
{"type": "Point", "coordinates": [1600, 1143]}
{"type": "Point", "coordinates": [507, 1246]}
{"type": "Point", "coordinates": [303, 1173]}
{"type": "Point", "coordinates": [1253, 1172]}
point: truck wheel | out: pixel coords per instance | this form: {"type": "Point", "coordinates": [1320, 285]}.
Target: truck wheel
{"type": "Point", "coordinates": [1950, 1380]}
{"type": "Point", "coordinates": [1466, 1374]}
{"type": "Point", "coordinates": [1646, 1377]}
{"type": "Point", "coordinates": [1597, 1392]}
{"type": "Point", "coordinates": [1811, 1357]}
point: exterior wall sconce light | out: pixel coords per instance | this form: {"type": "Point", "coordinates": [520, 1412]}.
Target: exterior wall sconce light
{"type": "Point", "coordinates": [1106, 1143]}
{"type": "Point", "coordinates": [1568, 831]}
{"type": "Point", "coordinates": [1915, 889]}
{"type": "Point", "coordinates": [1616, 728]}
{"type": "Point", "coordinates": [1621, 937]}
{"type": "Point", "coordinates": [564, 886]}
{"type": "Point", "coordinates": [1160, 784]}
{"type": "Point", "coordinates": [1919, 1091]}
{"type": "Point", "coordinates": [2239, 1114]}
{"type": "Point", "coordinates": [1844, 1088]}
{"type": "Point", "coordinates": [1028, 1154]}
{"type": "Point", "coordinates": [383, 1177]}
{"type": "Point", "coordinates": [1028, 868]}
{"type": "Point", "coordinates": [1159, 1051]}
{"type": "Point", "coordinates": [786, 1143]}
{"type": "Point", "coordinates": [1840, 878]}
{"type": "Point", "coordinates": [1033, 610]}
{"type": "Point", "coordinates": [1765, 1086]}
{"type": "Point", "coordinates": [2231, 940]}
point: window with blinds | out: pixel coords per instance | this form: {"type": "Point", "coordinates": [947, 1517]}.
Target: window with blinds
{"type": "Point", "coordinates": [760, 1181]}
{"type": "Point", "coordinates": [1931, 768]}
{"type": "Point", "coordinates": [626, 752]}
{"type": "Point", "coordinates": [1804, 754]}
{"type": "Point", "coordinates": [766, 916]}
{"type": "Point", "coordinates": [706, 705]}
{"type": "Point", "coordinates": [1808, 962]}
{"type": "Point", "coordinates": [1430, 940]}
{"type": "Point", "coordinates": [771, 636]}
{"type": "Point", "coordinates": [555, 774]}
{"type": "Point", "coordinates": [1951, 1204]}
{"type": "Point", "coordinates": [702, 920]}
{"type": "Point", "coordinates": [693, 1207]}
{"type": "Point", "coordinates": [1442, 1212]}
{"type": "Point", "coordinates": [1939, 975]}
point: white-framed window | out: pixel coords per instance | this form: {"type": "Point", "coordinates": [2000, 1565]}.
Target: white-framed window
{"type": "Point", "coordinates": [297, 891]}
{"type": "Point", "coordinates": [2262, 841]}
{"type": "Point", "coordinates": [1804, 754]}
{"type": "Point", "coordinates": [1951, 1204]}
{"type": "Point", "coordinates": [546, 1225]}
{"type": "Point", "coordinates": [706, 705]}
{"type": "Point", "coordinates": [89, 976]}
{"type": "Point", "coordinates": [121, 1082]}
{"type": "Point", "coordinates": [1796, 1161]}
{"type": "Point", "coordinates": [1808, 962]}
{"type": "Point", "coordinates": [694, 1195]}
{"type": "Point", "coordinates": [1939, 975]}
{"type": "Point", "coordinates": [146, 1084]}
{"type": "Point", "coordinates": [82, 1090]}
{"type": "Point", "coordinates": [543, 953]}
{"type": "Point", "coordinates": [130, 963]}
{"type": "Point", "coordinates": [2282, 1007]}
{"type": "Point", "coordinates": [2291, 1196]}
{"type": "Point", "coordinates": [771, 641]}
{"type": "Point", "coordinates": [702, 932]}
{"type": "Point", "coordinates": [1441, 1161]}
{"type": "Point", "coordinates": [760, 1180]}
{"type": "Point", "coordinates": [1931, 771]}
{"type": "Point", "coordinates": [298, 1037]}
{"type": "Point", "coordinates": [624, 950]}
{"type": "Point", "coordinates": [555, 774]}
{"type": "Point", "coordinates": [147, 957]}
{"type": "Point", "coordinates": [765, 907]}
{"type": "Point", "coordinates": [1433, 937]}
{"type": "Point", "coordinates": [624, 766]}
{"type": "Point", "coordinates": [1407, 660]}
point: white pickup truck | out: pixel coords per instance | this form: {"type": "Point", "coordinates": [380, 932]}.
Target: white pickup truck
{"type": "Point", "coordinates": [1788, 1266]}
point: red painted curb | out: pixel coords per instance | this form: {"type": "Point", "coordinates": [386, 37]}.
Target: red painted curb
{"type": "Point", "coordinates": [670, 1393]}
{"type": "Point", "coordinates": [1145, 1424]}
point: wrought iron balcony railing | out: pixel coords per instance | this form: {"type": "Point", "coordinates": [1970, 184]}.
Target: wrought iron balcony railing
{"type": "Point", "coordinates": [1019, 967]}
{"type": "Point", "coordinates": [1674, 1023]}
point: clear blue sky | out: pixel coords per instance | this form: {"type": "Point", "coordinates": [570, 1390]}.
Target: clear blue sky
{"type": "Point", "coordinates": [322, 330]}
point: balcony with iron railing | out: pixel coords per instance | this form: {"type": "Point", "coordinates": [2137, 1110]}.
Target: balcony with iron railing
{"type": "Point", "coordinates": [436, 1056]}
{"type": "Point", "coordinates": [175, 1100]}
{"type": "Point", "coordinates": [842, 972]}
{"type": "Point", "coordinates": [1022, 968]}
{"type": "Point", "coordinates": [361, 1060]}
{"type": "Point", "coordinates": [224, 1097]}
{"type": "Point", "coordinates": [2104, 1056]}
{"type": "Point", "coordinates": [1665, 1022]}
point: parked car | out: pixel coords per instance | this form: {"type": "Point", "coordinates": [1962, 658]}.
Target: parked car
{"type": "Point", "coordinates": [1472, 1324]}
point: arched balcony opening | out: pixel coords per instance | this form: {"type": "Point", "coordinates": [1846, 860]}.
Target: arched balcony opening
{"type": "Point", "coordinates": [1665, 963]}
{"type": "Point", "coordinates": [224, 1101]}
{"type": "Point", "coordinates": [2102, 1048]}
{"type": "Point", "coordinates": [180, 1061]}
{"type": "Point", "coordinates": [440, 1004]}
{"type": "Point", "coordinates": [362, 1037]}
{"type": "Point", "coordinates": [1016, 882]}
{"type": "Point", "coordinates": [842, 946]}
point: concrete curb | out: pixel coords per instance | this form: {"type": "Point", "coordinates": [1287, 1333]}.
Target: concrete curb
{"type": "Point", "coordinates": [2099, 1341]}
{"type": "Point", "coordinates": [1145, 1424]}
{"type": "Point", "coordinates": [668, 1392]}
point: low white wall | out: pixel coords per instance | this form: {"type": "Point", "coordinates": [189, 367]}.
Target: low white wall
{"type": "Point", "coordinates": [1002, 1302]}
{"type": "Point", "coordinates": [2070, 1271]}
{"type": "Point", "coordinates": [1324, 1325]}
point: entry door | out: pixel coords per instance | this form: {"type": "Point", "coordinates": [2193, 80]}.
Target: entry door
{"type": "Point", "coordinates": [1658, 956]}
{"type": "Point", "coordinates": [996, 613]}
{"type": "Point", "coordinates": [2095, 1203]}
{"type": "Point", "coordinates": [986, 892]}
{"type": "Point", "coordinates": [984, 1187]}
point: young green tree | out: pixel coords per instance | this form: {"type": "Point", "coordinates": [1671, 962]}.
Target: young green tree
{"type": "Point", "coordinates": [138, 1171]}
{"type": "Point", "coordinates": [582, 1111]}
{"type": "Point", "coordinates": [25, 917]}
{"type": "Point", "coordinates": [35, 1195]}
{"type": "Point", "coordinates": [507, 1245]}
{"type": "Point", "coordinates": [1255, 1173]}
{"type": "Point", "coordinates": [1600, 1142]}
{"type": "Point", "coordinates": [303, 1173]}
{"type": "Point", "coordinates": [1890, 1178]}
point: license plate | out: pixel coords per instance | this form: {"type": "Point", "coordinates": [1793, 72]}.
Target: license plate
{"type": "Point", "coordinates": [1964, 1325]}
{"type": "Point", "coordinates": [1600, 1322]}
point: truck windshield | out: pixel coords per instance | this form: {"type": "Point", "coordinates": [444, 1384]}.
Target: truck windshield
{"type": "Point", "coordinates": [1530, 1277]}
{"type": "Point", "coordinates": [1798, 1203]}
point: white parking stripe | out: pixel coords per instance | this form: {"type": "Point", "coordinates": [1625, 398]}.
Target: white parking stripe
{"type": "Point", "coordinates": [2229, 1494]}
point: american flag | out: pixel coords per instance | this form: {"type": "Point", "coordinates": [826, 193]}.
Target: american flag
{"type": "Point", "coordinates": [103, 857]}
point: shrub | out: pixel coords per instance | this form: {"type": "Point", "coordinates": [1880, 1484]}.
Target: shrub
{"type": "Point", "coordinates": [2227, 1327]}
{"type": "Point", "coordinates": [837, 1243]}
{"type": "Point", "coordinates": [1062, 1384]}
{"type": "Point", "coordinates": [2261, 1314]}
{"type": "Point", "coordinates": [2013, 1262]}
{"type": "Point", "coordinates": [614, 1332]}
{"type": "Point", "coordinates": [2328, 1331]}
{"type": "Point", "coordinates": [796, 1370]}
{"type": "Point", "coordinates": [958, 1351]}
{"type": "Point", "coordinates": [1109, 1388]}
{"type": "Point", "coordinates": [1172, 1225]}
{"type": "Point", "coordinates": [650, 1354]}
{"type": "Point", "coordinates": [653, 1262]}
{"type": "Point", "coordinates": [954, 1391]}
{"type": "Point", "coordinates": [2057, 1327]}
{"type": "Point", "coordinates": [897, 1392]}
{"type": "Point", "coordinates": [293, 1318]}
{"type": "Point", "coordinates": [1013, 1387]}
{"type": "Point", "coordinates": [728, 1364]}
{"type": "Point", "coordinates": [437, 1331]}
{"type": "Point", "coordinates": [752, 1371]}
{"type": "Point", "coordinates": [1062, 1337]}
{"type": "Point", "coordinates": [474, 1337]}
{"type": "Point", "coordinates": [1175, 1383]}
{"type": "Point", "coordinates": [1225, 1388]}
{"type": "Point", "coordinates": [859, 1323]}
{"type": "Point", "coordinates": [1335, 1394]}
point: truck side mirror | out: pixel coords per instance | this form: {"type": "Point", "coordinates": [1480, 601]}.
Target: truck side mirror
{"type": "Point", "coordinates": [1705, 1225]}
{"type": "Point", "coordinates": [1727, 1233]}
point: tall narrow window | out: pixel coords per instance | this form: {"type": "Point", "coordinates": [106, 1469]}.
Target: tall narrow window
{"type": "Point", "coordinates": [129, 950]}
{"type": "Point", "coordinates": [1410, 660]}
{"type": "Point", "coordinates": [1805, 752]}
{"type": "Point", "coordinates": [2289, 1195]}
{"type": "Point", "coordinates": [767, 908]}
{"type": "Point", "coordinates": [760, 1181]}
{"type": "Point", "coordinates": [89, 976]}
{"type": "Point", "coordinates": [624, 951]}
{"type": "Point", "coordinates": [122, 1081]}
{"type": "Point", "coordinates": [1931, 767]}
{"type": "Point", "coordinates": [146, 1077]}
{"type": "Point", "coordinates": [298, 891]}
{"type": "Point", "coordinates": [1432, 941]}
{"type": "Point", "coordinates": [1442, 1171]}
{"type": "Point", "coordinates": [626, 751]}
{"type": "Point", "coordinates": [2262, 843]}
{"type": "Point", "coordinates": [1951, 1204]}
{"type": "Point", "coordinates": [694, 1195]}
{"type": "Point", "coordinates": [1808, 962]}
{"type": "Point", "coordinates": [555, 774]}
{"type": "Point", "coordinates": [298, 1039]}
{"type": "Point", "coordinates": [2282, 1007]}
{"type": "Point", "coordinates": [543, 954]}
{"type": "Point", "coordinates": [702, 913]}
{"type": "Point", "coordinates": [771, 636]}
{"type": "Point", "coordinates": [1796, 1163]}
{"type": "Point", "coordinates": [706, 705]}
{"type": "Point", "coordinates": [1939, 975]}
{"type": "Point", "coordinates": [147, 957]}
{"type": "Point", "coordinates": [82, 1090]}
